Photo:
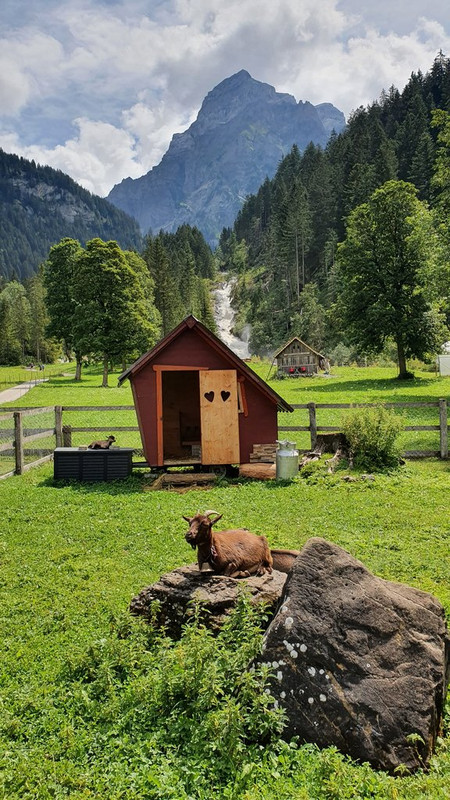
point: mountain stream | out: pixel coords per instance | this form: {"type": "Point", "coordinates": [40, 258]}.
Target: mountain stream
{"type": "Point", "coordinates": [224, 316]}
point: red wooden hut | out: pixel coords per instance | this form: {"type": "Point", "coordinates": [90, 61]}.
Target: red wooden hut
{"type": "Point", "coordinates": [199, 403]}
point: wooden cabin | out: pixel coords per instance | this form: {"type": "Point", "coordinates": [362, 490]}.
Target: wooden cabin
{"type": "Point", "coordinates": [298, 358]}
{"type": "Point", "coordinates": [199, 403]}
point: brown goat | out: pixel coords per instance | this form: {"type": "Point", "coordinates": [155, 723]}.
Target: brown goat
{"type": "Point", "coordinates": [236, 553]}
{"type": "Point", "coordinates": [283, 560]}
{"type": "Point", "coordinates": [102, 445]}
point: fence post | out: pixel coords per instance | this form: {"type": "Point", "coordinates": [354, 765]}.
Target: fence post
{"type": "Point", "coordinates": [443, 424]}
{"type": "Point", "coordinates": [58, 426]}
{"type": "Point", "coordinates": [18, 442]}
{"type": "Point", "coordinates": [312, 424]}
{"type": "Point", "coordinates": [67, 436]}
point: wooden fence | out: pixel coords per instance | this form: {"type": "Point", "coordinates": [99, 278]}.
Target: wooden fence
{"type": "Point", "coordinates": [63, 433]}
{"type": "Point", "coordinates": [442, 427]}
{"type": "Point", "coordinates": [19, 438]}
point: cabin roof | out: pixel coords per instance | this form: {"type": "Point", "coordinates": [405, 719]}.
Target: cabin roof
{"type": "Point", "coordinates": [191, 323]}
{"type": "Point", "coordinates": [297, 339]}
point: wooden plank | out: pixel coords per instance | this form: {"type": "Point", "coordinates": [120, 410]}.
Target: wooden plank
{"type": "Point", "coordinates": [6, 416]}
{"type": "Point", "coordinates": [421, 428]}
{"type": "Point", "coordinates": [219, 417]}
{"type": "Point", "coordinates": [38, 462]}
{"type": "Point", "coordinates": [29, 412]}
{"type": "Point", "coordinates": [293, 427]}
{"type": "Point", "coordinates": [188, 478]}
{"type": "Point", "coordinates": [443, 425]}
{"type": "Point", "coordinates": [40, 435]}
{"type": "Point", "coordinates": [114, 428]}
{"type": "Point", "coordinates": [261, 472]}
{"type": "Point", "coordinates": [58, 426]}
{"type": "Point", "coordinates": [421, 454]}
{"type": "Point", "coordinates": [29, 451]}
{"type": "Point", "coordinates": [7, 475]}
{"type": "Point", "coordinates": [367, 405]}
{"type": "Point", "coordinates": [159, 420]}
{"type": "Point", "coordinates": [7, 445]}
{"type": "Point", "coordinates": [18, 443]}
{"type": "Point", "coordinates": [97, 408]}
{"type": "Point", "coordinates": [172, 368]}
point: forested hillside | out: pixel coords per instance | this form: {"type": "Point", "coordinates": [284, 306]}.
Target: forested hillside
{"type": "Point", "coordinates": [101, 303]}
{"type": "Point", "coordinates": [40, 205]}
{"type": "Point", "coordinates": [284, 240]}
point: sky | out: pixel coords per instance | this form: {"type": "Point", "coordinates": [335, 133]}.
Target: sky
{"type": "Point", "coordinates": [97, 88]}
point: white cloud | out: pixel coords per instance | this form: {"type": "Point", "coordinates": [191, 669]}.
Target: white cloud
{"type": "Point", "coordinates": [126, 76]}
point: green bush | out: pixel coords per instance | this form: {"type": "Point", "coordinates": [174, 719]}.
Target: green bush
{"type": "Point", "coordinates": [372, 435]}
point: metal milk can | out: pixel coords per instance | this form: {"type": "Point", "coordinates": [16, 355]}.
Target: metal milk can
{"type": "Point", "coordinates": [286, 460]}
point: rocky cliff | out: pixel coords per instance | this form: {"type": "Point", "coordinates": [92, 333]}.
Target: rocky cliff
{"type": "Point", "coordinates": [243, 129]}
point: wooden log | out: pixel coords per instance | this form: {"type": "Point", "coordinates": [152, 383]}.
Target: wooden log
{"type": "Point", "coordinates": [58, 426]}
{"type": "Point", "coordinates": [443, 427]}
{"type": "Point", "coordinates": [40, 435]}
{"type": "Point", "coordinates": [7, 475]}
{"type": "Point", "coordinates": [312, 424]}
{"type": "Point", "coordinates": [67, 436]}
{"type": "Point", "coordinates": [38, 462]}
{"type": "Point", "coordinates": [260, 472]}
{"type": "Point", "coordinates": [18, 442]}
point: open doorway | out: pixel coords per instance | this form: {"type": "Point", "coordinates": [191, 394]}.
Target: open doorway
{"type": "Point", "coordinates": [181, 417]}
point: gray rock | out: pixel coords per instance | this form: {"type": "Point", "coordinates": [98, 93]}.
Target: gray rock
{"type": "Point", "coordinates": [218, 595]}
{"type": "Point", "coordinates": [359, 662]}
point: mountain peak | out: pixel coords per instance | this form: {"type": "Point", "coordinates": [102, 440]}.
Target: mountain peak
{"type": "Point", "coordinates": [243, 129]}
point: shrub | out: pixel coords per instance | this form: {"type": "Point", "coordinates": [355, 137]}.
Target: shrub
{"type": "Point", "coordinates": [372, 435]}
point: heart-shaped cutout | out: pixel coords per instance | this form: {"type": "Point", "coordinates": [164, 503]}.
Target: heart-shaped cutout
{"type": "Point", "coordinates": [224, 395]}
{"type": "Point", "coordinates": [209, 396]}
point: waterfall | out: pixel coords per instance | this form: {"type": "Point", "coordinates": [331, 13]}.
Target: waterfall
{"type": "Point", "coordinates": [224, 316]}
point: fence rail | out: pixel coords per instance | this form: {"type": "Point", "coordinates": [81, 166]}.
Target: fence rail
{"type": "Point", "coordinates": [18, 438]}
{"type": "Point", "coordinates": [442, 427]}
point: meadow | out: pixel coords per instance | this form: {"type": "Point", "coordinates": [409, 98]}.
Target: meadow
{"type": "Point", "coordinates": [96, 704]}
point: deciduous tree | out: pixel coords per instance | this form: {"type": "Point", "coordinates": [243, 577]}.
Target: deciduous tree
{"type": "Point", "coordinates": [112, 316]}
{"type": "Point", "coordinates": [383, 263]}
{"type": "Point", "coordinates": [59, 272]}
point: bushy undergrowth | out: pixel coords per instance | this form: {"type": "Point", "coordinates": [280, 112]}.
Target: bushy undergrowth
{"type": "Point", "coordinates": [372, 435]}
{"type": "Point", "coordinates": [138, 716]}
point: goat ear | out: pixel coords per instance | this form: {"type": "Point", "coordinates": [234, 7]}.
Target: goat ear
{"type": "Point", "coordinates": [216, 519]}
{"type": "Point", "coordinates": [188, 519]}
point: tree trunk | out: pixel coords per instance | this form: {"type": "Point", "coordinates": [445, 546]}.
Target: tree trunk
{"type": "Point", "coordinates": [401, 359]}
{"type": "Point", "coordinates": [105, 371]}
{"type": "Point", "coordinates": [78, 367]}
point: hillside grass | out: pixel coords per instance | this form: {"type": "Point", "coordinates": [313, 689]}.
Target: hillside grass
{"type": "Point", "coordinates": [96, 706]}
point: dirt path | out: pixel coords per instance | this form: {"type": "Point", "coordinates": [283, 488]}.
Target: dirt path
{"type": "Point", "coordinates": [9, 395]}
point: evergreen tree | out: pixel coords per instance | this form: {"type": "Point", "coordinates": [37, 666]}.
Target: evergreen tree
{"type": "Point", "coordinates": [15, 319]}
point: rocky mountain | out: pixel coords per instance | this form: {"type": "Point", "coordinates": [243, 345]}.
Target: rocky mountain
{"type": "Point", "coordinates": [40, 205]}
{"type": "Point", "coordinates": [242, 131]}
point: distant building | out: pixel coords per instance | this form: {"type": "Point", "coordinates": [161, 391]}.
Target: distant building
{"type": "Point", "coordinates": [298, 358]}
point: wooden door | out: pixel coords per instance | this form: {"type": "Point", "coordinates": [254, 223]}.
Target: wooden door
{"type": "Point", "coordinates": [219, 417]}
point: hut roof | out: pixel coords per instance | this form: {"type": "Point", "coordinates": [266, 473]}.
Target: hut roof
{"type": "Point", "coordinates": [297, 339]}
{"type": "Point", "coordinates": [191, 323]}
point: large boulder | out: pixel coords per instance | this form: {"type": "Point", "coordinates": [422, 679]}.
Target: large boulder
{"type": "Point", "coordinates": [359, 662]}
{"type": "Point", "coordinates": [175, 592]}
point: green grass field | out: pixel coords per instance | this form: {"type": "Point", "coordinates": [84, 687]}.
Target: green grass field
{"type": "Point", "coordinates": [12, 376]}
{"type": "Point", "coordinates": [96, 706]}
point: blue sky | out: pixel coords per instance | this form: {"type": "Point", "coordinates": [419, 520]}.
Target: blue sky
{"type": "Point", "coordinates": [97, 89]}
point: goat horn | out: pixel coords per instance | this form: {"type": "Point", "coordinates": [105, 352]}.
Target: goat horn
{"type": "Point", "coordinates": [208, 513]}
